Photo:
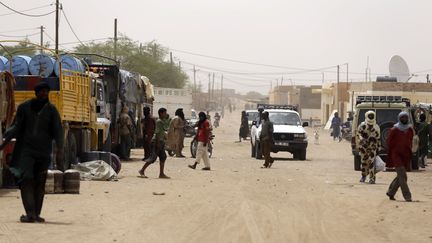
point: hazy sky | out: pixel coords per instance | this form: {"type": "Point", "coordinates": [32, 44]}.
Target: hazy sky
{"type": "Point", "coordinates": [291, 33]}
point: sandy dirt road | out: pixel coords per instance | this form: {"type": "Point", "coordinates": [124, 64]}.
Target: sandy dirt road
{"type": "Point", "coordinates": [318, 200]}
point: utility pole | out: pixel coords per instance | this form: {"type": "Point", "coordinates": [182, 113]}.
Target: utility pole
{"type": "Point", "coordinates": [221, 94]}
{"type": "Point", "coordinates": [367, 69]}
{"type": "Point", "coordinates": [322, 74]}
{"type": "Point", "coordinates": [347, 71]}
{"type": "Point", "coordinates": [194, 79]}
{"type": "Point", "coordinates": [57, 28]}
{"type": "Point", "coordinates": [337, 90]}
{"type": "Point", "coordinates": [212, 93]}
{"type": "Point", "coordinates": [171, 59]}
{"type": "Point", "coordinates": [209, 89]}
{"type": "Point", "coordinates": [281, 80]}
{"type": "Point", "coordinates": [41, 38]}
{"type": "Point", "coordinates": [115, 39]}
{"type": "Point", "coordinates": [179, 65]}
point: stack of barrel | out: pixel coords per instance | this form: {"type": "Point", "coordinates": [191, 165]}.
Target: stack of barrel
{"type": "Point", "coordinates": [62, 182]}
{"type": "Point", "coordinates": [40, 65]}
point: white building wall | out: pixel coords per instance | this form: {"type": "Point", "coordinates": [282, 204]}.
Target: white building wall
{"type": "Point", "coordinates": [172, 99]}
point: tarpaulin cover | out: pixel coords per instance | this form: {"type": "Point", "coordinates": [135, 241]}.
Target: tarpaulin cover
{"type": "Point", "coordinates": [132, 88]}
{"type": "Point", "coordinates": [97, 170]}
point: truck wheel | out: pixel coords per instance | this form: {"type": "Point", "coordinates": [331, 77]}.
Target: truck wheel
{"type": "Point", "coordinates": [70, 152]}
{"type": "Point", "coordinates": [193, 148]}
{"type": "Point", "coordinates": [302, 154]}
{"type": "Point", "coordinates": [258, 152]}
{"type": "Point", "coordinates": [357, 162]}
{"type": "Point", "coordinates": [253, 151]}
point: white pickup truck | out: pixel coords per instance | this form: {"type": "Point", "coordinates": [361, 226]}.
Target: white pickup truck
{"type": "Point", "coordinates": [289, 134]}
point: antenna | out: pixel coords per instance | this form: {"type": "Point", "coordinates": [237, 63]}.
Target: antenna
{"type": "Point", "coordinates": [399, 68]}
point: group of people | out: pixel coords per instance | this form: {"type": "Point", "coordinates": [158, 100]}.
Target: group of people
{"type": "Point", "coordinates": [164, 133]}
{"type": "Point", "coordinates": [400, 149]}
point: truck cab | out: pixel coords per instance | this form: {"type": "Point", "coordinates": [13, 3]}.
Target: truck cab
{"type": "Point", "coordinates": [289, 134]}
{"type": "Point", "coordinates": [387, 109]}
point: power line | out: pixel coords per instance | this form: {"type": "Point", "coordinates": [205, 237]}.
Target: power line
{"type": "Point", "coordinates": [26, 10]}
{"type": "Point", "coordinates": [71, 28]}
{"type": "Point", "coordinates": [19, 36]}
{"type": "Point", "coordinates": [249, 63]}
{"type": "Point", "coordinates": [28, 15]}
{"type": "Point", "coordinates": [18, 30]}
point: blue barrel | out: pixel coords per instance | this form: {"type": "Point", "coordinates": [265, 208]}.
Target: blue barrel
{"type": "Point", "coordinates": [68, 63]}
{"type": "Point", "coordinates": [3, 61]}
{"type": "Point", "coordinates": [20, 65]}
{"type": "Point", "coordinates": [42, 65]}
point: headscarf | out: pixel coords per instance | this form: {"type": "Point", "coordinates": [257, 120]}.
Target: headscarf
{"type": "Point", "coordinates": [399, 125]}
{"type": "Point", "coordinates": [370, 121]}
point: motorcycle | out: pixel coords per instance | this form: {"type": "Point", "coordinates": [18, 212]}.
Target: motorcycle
{"type": "Point", "coordinates": [346, 131]}
{"type": "Point", "coordinates": [194, 146]}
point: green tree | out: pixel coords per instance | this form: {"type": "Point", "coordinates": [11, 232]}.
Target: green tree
{"type": "Point", "coordinates": [21, 48]}
{"type": "Point", "coordinates": [148, 60]}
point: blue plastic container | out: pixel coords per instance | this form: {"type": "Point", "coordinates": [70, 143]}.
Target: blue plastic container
{"type": "Point", "coordinates": [20, 65]}
{"type": "Point", "coordinates": [68, 63]}
{"type": "Point", "coordinates": [42, 65]}
{"type": "Point", "coordinates": [3, 61]}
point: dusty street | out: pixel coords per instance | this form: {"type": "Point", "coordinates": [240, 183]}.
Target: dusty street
{"type": "Point", "coordinates": [318, 200]}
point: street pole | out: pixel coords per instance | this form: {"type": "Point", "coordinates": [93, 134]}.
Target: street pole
{"type": "Point", "coordinates": [57, 28]}
{"type": "Point", "coordinates": [41, 38]}
{"type": "Point", "coordinates": [194, 79]}
{"type": "Point", "coordinates": [337, 90]}
{"type": "Point", "coordinates": [221, 94]}
{"type": "Point", "coordinates": [209, 90]}
{"type": "Point", "coordinates": [115, 39]}
{"type": "Point", "coordinates": [171, 59]}
{"type": "Point", "coordinates": [212, 94]}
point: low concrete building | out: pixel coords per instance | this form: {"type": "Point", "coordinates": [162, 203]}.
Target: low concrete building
{"type": "Point", "coordinates": [417, 92]}
{"type": "Point", "coordinates": [308, 98]}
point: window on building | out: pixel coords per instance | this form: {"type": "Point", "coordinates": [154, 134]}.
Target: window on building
{"type": "Point", "coordinates": [160, 92]}
{"type": "Point", "coordinates": [176, 93]}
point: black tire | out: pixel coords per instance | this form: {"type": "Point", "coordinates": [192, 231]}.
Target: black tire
{"type": "Point", "coordinates": [193, 148]}
{"type": "Point", "coordinates": [385, 130]}
{"type": "Point", "coordinates": [116, 163]}
{"type": "Point", "coordinates": [70, 153]}
{"type": "Point", "coordinates": [258, 152]}
{"type": "Point", "coordinates": [90, 156]}
{"type": "Point", "coordinates": [253, 151]}
{"type": "Point", "coordinates": [107, 144]}
{"type": "Point", "coordinates": [302, 154]}
{"type": "Point", "coordinates": [357, 162]}
{"type": "Point", "coordinates": [105, 156]}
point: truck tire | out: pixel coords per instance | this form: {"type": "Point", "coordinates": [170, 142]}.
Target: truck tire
{"type": "Point", "coordinates": [357, 162]}
{"type": "Point", "coordinates": [253, 150]}
{"type": "Point", "coordinates": [70, 153]}
{"type": "Point", "coordinates": [258, 152]}
{"type": "Point", "coordinates": [116, 163]}
{"type": "Point", "coordinates": [302, 154]}
{"type": "Point", "coordinates": [296, 155]}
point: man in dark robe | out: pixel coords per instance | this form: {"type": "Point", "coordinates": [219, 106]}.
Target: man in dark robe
{"type": "Point", "coordinates": [36, 125]}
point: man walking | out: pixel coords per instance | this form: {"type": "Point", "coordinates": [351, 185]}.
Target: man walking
{"type": "Point", "coordinates": [336, 126]}
{"type": "Point", "coordinates": [368, 135]}
{"type": "Point", "coordinates": [176, 133]}
{"type": "Point", "coordinates": [266, 140]}
{"type": "Point", "coordinates": [125, 130]}
{"type": "Point", "coordinates": [36, 125]}
{"type": "Point", "coordinates": [148, 126]}
{"type": "Point", "coordinates": [158, 142]}
{"type": "Point", "coordinates": [423, 131]}
{"type": "Point", "coordinates": [399, 142]}
{"type": "Point", "coordinates": [203, 137]}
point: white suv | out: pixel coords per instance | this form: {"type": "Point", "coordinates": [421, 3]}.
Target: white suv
{"type": "Point", "coordinates": [289, 134]}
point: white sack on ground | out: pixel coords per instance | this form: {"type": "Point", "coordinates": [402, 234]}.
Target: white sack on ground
{"type": "Point", "coordinates": [97, 170]}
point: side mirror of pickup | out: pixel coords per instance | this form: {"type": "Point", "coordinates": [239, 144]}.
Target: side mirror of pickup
{"type": "Point", "coordinates": [305, 124]}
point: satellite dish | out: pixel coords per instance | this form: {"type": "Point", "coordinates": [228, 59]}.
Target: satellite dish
{"type": "Point", "coordinates": [399, 69]}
